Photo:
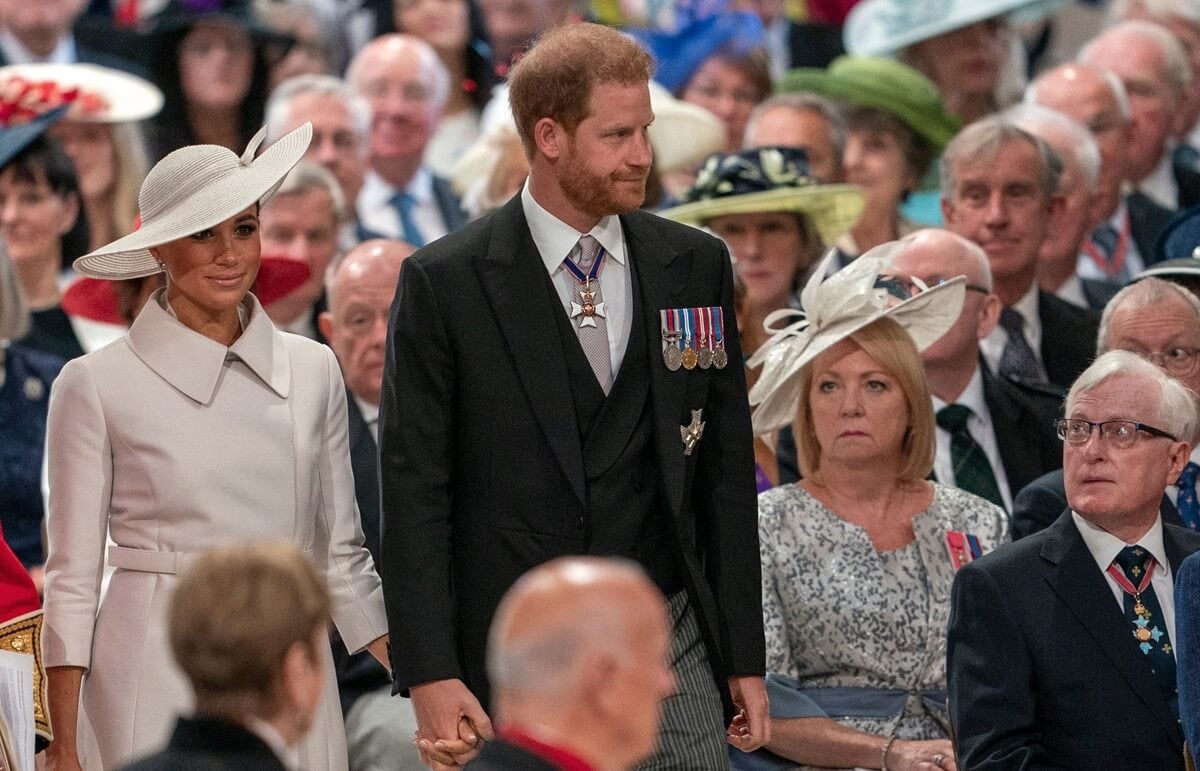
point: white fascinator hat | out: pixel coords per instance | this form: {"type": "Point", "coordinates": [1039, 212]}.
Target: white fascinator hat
{"type": "Point", "coordinates": [834, 308]}
{"type": "Point", "coordinates": [192, 189]}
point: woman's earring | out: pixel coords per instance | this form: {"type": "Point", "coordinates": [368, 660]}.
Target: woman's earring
{"type": "Point", "coordinates": [162, 267]}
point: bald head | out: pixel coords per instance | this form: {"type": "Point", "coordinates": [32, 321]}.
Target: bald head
{"type": "Point", "coordinates": [360, 289]}
{"type": "Point", "coordinates": [579, 645]}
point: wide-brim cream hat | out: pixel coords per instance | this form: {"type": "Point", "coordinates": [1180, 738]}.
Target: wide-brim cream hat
{"type": "Point", "coordinates": [834, 308]}
{"type": "Point", "coordinates": [104, 95]}
{"type": "Point", "coordinates": [192, 189]}
{"type": "Point", "coordinates": [882, 27]}
{"type": "Point", "coordinates": [682, 134]}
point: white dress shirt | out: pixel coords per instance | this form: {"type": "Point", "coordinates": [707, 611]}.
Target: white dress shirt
{"type": "Point", "coordinates": [1072, 291]}
{"type": "Point", "coordinates": [64, 51]}
{"type": "Point", "coordinates": [273, 739]}
{"type": "Point", "coordinates": [555, 239]}
{"type": "Point", "coordinates": [376, 213]}
{"type": "Point", "coordinates": [979, 426]}
{"type": "Point", "coordinates": [1161, 186]}
{"type": "Point", "coordinates": [1134, 264]}
{"type": "Point", "coordinates": [992, 346]}
{"type": "Point", "coordinates": [370, 416]}
{"type": "Point", "coordinates": [1105, 547]}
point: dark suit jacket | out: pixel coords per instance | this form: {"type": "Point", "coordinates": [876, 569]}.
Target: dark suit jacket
{"type": "Point", "coordinates": [1187, 648]}
{"type": "Point", "coordinates": [1041, 501]}
{"type": "Point", "coordinates": [361, 673]}
{"type": "Point", "coordinates": [1042, 669]}
{"type": "Point", "coordinates": [1147, 221]}
{"type": "Point", "coordinates": [1022, 418]}
{"type": "Point", "coordinates": [500, 755]}
{"type": "Point", "coordinates": [1068, 338]}
{"type": "Point", "coordinates": [482, 467]}
{"type": "Point", "coordinates": [208, 744]}
{"type": "Point", "coordinates": [1097, 293]}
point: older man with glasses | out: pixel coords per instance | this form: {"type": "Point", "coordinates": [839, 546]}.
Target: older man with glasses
{"type": "Point", "coordinates": [1158, 320]}
{"type": "Point", "coordinates": [1082, 615]}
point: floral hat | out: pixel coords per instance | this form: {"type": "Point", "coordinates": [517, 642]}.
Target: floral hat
{"type": "Point", "coordinates": [768, 179]}
{"type": "Point", "coordinates": [834, 308]}
{"type": "Point", "coordinates": [27, 109]}
{"type": "Point", "coordinates": [100, 94]}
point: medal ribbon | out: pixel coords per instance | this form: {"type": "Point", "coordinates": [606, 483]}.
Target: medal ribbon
{"type": "Point", "coordinates": [1118, 575]}
{"type": "Point", "coordinates": [1111, 268]}
{"type": "Point", "coordinates": [719, 326]}
{"type": "Point", "coordinates": [577, 272]}
{"type": "Point", "coordinates": [702, 325]}
{"type": "Point", "coordinates": [688, 322]}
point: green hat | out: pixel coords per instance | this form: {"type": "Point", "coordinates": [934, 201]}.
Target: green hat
{"type": "Point", "coordinates": [884, 84]}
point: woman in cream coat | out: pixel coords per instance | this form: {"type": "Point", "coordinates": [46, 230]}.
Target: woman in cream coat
{"type": "Point", "coordinates": [203, 426]}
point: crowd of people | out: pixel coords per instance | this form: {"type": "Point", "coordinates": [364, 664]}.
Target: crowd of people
{"type": "Point", "coordinates": [695, 385]}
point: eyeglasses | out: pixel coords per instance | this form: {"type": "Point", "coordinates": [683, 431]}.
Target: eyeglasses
{"type": "Point", "coordinates": [1177, 361]}
{"type": "Point", "coordinates": [904, 287]}
{"type": "Point", "coordinates": [1118, 433]}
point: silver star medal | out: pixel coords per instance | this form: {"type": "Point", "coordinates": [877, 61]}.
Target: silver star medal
{"type": "Point", "coordinates": [587, 309]}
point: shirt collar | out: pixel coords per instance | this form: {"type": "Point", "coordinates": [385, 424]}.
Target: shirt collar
{"type": "Point", "coordinates": [377, 192]}
{"type": "Point", "coordinates": [192, 363]}
{"type": "Point", "coordinates": [971, 397]}
{"type": "Point", "coordinates": [1104, 546]}
{"type": "Point", "coordinates": [555, 239]}
{"type": "Point", "coordinates": [1027, 306]}
{"type": "Point", "coordinates": [289, 756]}
{"type": "Point", "coordinates": [560, 758]}
{"type": "Point", "coordinates": [16, 53]}
{"type": "Point", "coordinates": [370, 412]}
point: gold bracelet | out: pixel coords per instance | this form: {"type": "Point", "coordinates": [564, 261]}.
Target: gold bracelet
{"type": "Point", "coordinates": [883, 752]}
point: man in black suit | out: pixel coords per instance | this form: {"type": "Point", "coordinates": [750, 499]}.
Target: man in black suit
{"type": "Point", "coordinates": [33, 32]}
{"type": "Point", "coordinates": [379, 729]}
{"type": "Point", "coordinates": [1060, 646]}
{"type": "Point", "coordinates": [1154, 317]}
{"type": "Point", "coordinates": [512, 434]}
{"type": "Point", "coordinates": [406, 86]}
{"type": "Point", "coordinates": [977, 411]}
{"type": "Point", "coordinates": [577, 656]}
{"type": "Point", "coordinates": [999, 189]}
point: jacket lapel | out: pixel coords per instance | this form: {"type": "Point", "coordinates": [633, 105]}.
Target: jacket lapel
{"type": "Point", "coordinates": [1014, 438]}
{"type": "Point", "coordinates": [662, 273]}
{"type": "Point", "coordinates": [515, 281]}
{"type": "Point", "coordinates": [1082, 587]}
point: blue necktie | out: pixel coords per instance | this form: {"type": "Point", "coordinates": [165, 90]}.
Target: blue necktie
{"type": "Point", "coordinates": [1189, 508]}
{"type": "Point", "coordinates": [403, 203]}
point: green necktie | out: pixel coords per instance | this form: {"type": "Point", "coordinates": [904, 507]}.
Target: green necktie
{"type": "Point", "coordinates": [972, 472]}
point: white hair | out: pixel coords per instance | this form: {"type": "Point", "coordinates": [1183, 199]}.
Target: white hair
{"type": "Point", "coordinates": [1175, 61]}
{"type": "Point", "coordinates": [804, 102]}
{"type": "Point", "coordinates": [1115, 87]}
{"type": "Point", "coordinates": [1080, 145]}
{"type": "Point", "coordinates": [1144, 295]}
{"type": "Point", "coordinates": [1176, 404]}
{"type": "Point", "coordinates": [435, 74]}
{"type": "Point", "coordinates": [306, 176]}
{"type": "Point", "coordinates": [325, 85]}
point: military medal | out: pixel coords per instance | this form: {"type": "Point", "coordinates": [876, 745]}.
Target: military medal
{"type": "Point", "coordinates": [587, 310]}
{"type": "Point", "coordinates": [1142, 630]}
{"type": "Point", "coordinates": [672, 356]}
{"type": "Point", "coordinates": [704, 357]}
{"type": "Point", "coordinates": [720, 358]}
{"type": "Point", "coordinates": [689, 353]}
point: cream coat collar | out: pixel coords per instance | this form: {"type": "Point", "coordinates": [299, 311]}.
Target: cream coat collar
{"type": "Point", "coordinates": [192, 363]}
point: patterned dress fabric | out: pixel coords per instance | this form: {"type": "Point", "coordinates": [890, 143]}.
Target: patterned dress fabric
{"type": "Point", "coordinates": [838, 613]}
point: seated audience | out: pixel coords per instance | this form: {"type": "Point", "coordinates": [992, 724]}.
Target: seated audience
{"type": "Point", "coordinates": [857, 664]}
{"type": "Point", "coordinates": [1000, 190]}
{"type": "Point", "coordinates": [578, 660]}
{"type": "Point", "coordinates": [379, 726]}
{"type": "Point", "coordinates": [306, 40]}
{"type": "Point", "coordinates": [300, 223]}
{"type": "Point", "coordinates": [1160, 321]}
{"type": "Point", "coordinates": [247, 626]}
{"type": "Point", "coordinates": [406, 86]}
{"type": "Point", "coordinates": [895, 129]}
{"type": "Point", "coordinates": [994, 435]}
{"type": "Point", "coordinates": [1126, 223]}
{"type": "Point", "coordinates": [1060, 650]}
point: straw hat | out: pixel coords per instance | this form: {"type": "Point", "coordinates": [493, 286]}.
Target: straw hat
{"type": "Point", "coordinates": [195, 188]}
{"type": "Point", "coordinates": [885, 84]}
{"type": "Point", "coordinates": [835, 308]}
{"type": "Point", "coordinates": [876, 27]}
{"type": "Point", "coordinates": [768, 179]}
{"type": "Point", "coordinates": [104, 95]}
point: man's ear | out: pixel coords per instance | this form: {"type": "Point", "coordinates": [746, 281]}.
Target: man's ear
{"type": "Point", "coordinates": [549, 136]}
{"type": "Point", "coordinates": [325, 324]}
{"type": "Point", "coordinates": [947, 212]}
{"type": "Point", "coordinates": [989, 316]}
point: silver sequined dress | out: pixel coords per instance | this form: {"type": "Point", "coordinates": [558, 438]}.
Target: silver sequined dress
{"type": "Point", "coordinates": [839, 614]}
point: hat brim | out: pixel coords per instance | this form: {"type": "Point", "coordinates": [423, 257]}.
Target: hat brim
{"type": "Point", "coordinates": [937, 129]}
{"type": "Point", "coordinates": [125, 97]}
{"type": "Point", "coordinates": [925, 317]}
{"type": "Point", "coordinates": [833, 209]}
{"type": "Point", "coordinates": [256, 182]}
{"type": "Point", "coordinates": [866, 33]}
{"type": "Point", "coordinates": [1182, 267]}
{"type": "Point", "coordinates": [14, 139]}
